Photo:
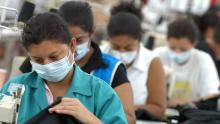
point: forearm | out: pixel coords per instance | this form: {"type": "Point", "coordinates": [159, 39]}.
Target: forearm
{"type": "Point", "coordinates": [130, 118]}
{"type": "Point", "coordinates": [125, 94]}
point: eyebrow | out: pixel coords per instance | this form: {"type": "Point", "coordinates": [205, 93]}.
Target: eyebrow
{"type": "Point", "coordinates": [80, 35]}
{"type": "Point", "coordinates": [53, 53]}
{"type": "Point", "coordinates": [128, 46]}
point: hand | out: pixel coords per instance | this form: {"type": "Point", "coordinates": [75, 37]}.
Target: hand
{"type": "Point", "coordinates": [136, 107]}
{"type": "Point", "coordinates": [75, 108]}
{"type": "Point", "coordinates": [175, 103]}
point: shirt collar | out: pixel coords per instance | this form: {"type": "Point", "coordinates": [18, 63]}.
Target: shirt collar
{"type": "Point", "coordinates": [80, 83]}
{"type": "Point", "coordinates": [95, 61]}
{"type": "Point", "coordinates": [140, 60]}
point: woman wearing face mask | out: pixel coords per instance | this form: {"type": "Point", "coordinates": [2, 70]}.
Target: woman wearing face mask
{"type": "Point", "coordinates": [144, 69]}
{"type": "Point", "coordinates": [194, 73]}
{"type": "Point", "coordinates": [51, 49]}
{"type": "Point", "coordinates": [88, 56]}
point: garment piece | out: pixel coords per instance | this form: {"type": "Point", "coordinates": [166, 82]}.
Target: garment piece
{"type": "Point", "coordinates": [44, 117]}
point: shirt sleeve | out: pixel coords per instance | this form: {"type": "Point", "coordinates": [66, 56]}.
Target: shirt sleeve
{"type": "Point", "coordinates": [26, 66]}
{"type": "Point", "coordinates": [12, 84]}
{"type": "Point", "coordinates": [209, 78]}
{"type": "Point", "coordinates": [109, 108]}
{"type": "Point", "coordinates": [120, 76]}
{"type": "Point", "coordinates": [4, 89]}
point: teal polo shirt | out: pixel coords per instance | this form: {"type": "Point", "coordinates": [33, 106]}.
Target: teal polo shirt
{"type": "Point", "coordinates": [95, 94]}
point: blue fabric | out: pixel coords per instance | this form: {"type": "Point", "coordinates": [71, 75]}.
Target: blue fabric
{"type": "Point", "coordinates": [106, 73]}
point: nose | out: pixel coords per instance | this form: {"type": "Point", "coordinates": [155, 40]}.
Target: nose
{"type": "Point", "coordinates": [46, 61]}
{"type": "Point", "coordinates": [177, 50]}
{"type": "Point", "coordinates": [121, 50]}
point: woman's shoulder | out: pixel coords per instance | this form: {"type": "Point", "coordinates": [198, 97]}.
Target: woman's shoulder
{"type": "Point", "coordinates": [18, 81]}
{"type": "Point", "coordinates": [92, 81]}
{"type": "Point", "coordinates": [96, 82]}
{"type": "Point", "coordinates": [161, 50]}
{"type": "Point", "coordinates": [202, 57]}
{"type": "Point", "coordinates": [146, 52]}
{"type": "Point", "coordinates": [145, 57]}
{"type": "Point", "coordinates": [23, 76]}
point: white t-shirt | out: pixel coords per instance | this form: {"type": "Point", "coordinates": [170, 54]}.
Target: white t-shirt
{"type": "Point", "coordinates": [197, 78]}
{"type": "Point", "coordinates": [138, 73]}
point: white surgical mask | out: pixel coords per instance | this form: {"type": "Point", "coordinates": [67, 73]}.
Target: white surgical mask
{"type": "Point", "coordinates": [125, 57]}
{"type": "Point", "coordinates": [82, 50]}
{"type": "Point", "coordinates": [55, 71]}
{"type": "Point", "coordinates": [180, 58]}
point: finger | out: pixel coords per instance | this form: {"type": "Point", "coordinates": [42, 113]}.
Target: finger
{"type": "Point", "coordinates": [51, 110]}
{"type": "Point", "coordinates": [70, 100]}
{"type": "Point", "coordinates": [69, 103]}
{"type": "Point", "coordinates": [65, 102]}
{"type": "Point", "coordinates": [66, 112]}
{"type": "Point", "coordinates": [72, 108]}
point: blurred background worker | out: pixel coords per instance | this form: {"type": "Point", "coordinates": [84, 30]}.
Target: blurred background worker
{"type": "Point", "coordinates": [194, 73]}
{"type": "Point", "coordinates": [206, 24]}
{"type": "Point", "coordinates": [125, 34]}
{"type": "Point", "coordinates": [215, 41]}
{"type": "Point", "coordinates": [126, 46]}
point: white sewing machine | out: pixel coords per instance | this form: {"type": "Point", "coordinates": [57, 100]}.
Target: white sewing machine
{"type": "Point", "coordinates": [8, 107]}
{"type": "Point", "coordinates": [9, 104]}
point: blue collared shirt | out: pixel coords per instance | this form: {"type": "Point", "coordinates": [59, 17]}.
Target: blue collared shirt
{"type": "Point", "coordinates": [96, 95]}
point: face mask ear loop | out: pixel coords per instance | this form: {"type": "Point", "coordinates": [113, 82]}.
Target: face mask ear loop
{"type": "Point", "coordinates": [89, 44]}
{"type": "Point", "coordinates": [69, 58]}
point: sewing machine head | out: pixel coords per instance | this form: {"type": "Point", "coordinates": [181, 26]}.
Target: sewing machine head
{"type": "Point", "coordinates": [7, 108]}
{"type": "Point", "coordinates": [9, 104]}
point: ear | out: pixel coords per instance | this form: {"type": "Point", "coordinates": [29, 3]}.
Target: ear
{"type": "Point", "coordinates": [195, 43]}
{"type": "Point", "coordinates": [73, 45]}
{"type": "Point", "coordinates": [91, 33]}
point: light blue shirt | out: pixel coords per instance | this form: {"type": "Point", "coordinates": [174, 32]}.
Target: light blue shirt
{"type": "Point", "coordinates": [96, 95]}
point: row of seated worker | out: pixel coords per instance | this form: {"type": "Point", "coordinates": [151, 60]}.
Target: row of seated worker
{"type": "Point", "coordinates": [59, 51]}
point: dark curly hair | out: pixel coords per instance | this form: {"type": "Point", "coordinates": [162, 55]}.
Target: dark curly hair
{"type": "Point", "coordinates": [127, 7]}
{"type": "Point", "coordinates": [78, 13]}
{"type": "Point", "coordinates": [183, 28]}
{"type": "Point", "coordinates": [125, 23]}
{"type": "Point", "coordinates": [216, 35]}
{"type": "Point", "coordinates": [46, 26]}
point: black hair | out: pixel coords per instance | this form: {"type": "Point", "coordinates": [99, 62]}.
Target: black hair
{"type": "Point", "coordinates": [209, 19]}
{"type": "Point", "coordinates": [127, 7]}
{"type": "Point", "coordinates": [46, 26]}
{"type": "Point", "coordinates": [78, 13]}
{"type": "Point", "coordinates": [125, 24]}
{"type": "Point", "coordinates": [183, 28]}
{"type": "Point", "coordinates": [216, 35]}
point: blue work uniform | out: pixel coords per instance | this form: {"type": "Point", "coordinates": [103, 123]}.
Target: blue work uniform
{"type": "Point", "coordinates": [96, 95]}
{"type": "Point", "coordinates": [107, 74]}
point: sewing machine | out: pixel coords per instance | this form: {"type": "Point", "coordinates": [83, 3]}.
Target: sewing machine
{"type": "Point", "coordinates": [9, 104]}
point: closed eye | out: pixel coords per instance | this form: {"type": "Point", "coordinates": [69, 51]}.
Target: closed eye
{"type": "Point", "coordinates": [37, 60]}
{"type": "Point", "coordinates": [54, 58]}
